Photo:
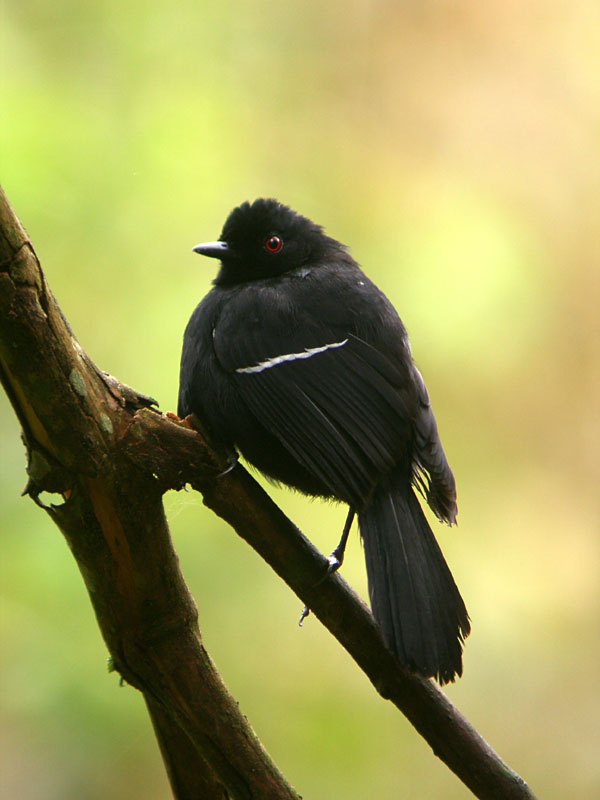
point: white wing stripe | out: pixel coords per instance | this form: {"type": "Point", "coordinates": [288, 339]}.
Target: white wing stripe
{"type": "Point", "coordinates": [273, 362]}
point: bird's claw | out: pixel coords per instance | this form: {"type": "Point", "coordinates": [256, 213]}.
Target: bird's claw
{"type": "Point", "coordinates": [334, 563]}
{"type": "Point", "coordinates": [232, 460]}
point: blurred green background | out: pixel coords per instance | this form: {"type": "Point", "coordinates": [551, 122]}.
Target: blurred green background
{"type": "Point", "coordinates": [455, 147]}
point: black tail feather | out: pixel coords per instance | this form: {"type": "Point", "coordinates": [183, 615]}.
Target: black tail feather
{"type": "Point", "coordinates": [413, 594]}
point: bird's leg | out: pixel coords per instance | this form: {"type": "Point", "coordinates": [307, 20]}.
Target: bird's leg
{"type": "Point", "coordinates": [335, 558]}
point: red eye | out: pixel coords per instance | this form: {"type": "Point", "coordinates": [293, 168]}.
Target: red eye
{"type": "Point", "coordinates": [273, 244]}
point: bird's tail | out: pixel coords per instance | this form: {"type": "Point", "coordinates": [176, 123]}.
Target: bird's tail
{"type": "Point", "coordinates": [413, 594]}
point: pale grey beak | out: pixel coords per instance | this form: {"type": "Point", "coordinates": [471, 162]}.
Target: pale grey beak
{"type": "Point", "coordinates": [212, 249]}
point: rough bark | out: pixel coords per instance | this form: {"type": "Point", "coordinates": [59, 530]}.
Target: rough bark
{"type": "Point", "coordinates": [111, 456]}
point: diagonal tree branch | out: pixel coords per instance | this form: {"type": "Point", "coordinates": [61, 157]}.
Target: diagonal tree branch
{"type": "Point", "coordinates": [73, 420]}
{"type": "Point", "coordinates": [100, 445]}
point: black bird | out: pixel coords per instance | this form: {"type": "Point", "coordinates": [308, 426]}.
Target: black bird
{"type": "Point", "coordinates": [297, 360]}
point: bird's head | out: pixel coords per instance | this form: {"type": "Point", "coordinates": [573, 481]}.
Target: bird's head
{"type": "Point", "coordinates": [264, 239]}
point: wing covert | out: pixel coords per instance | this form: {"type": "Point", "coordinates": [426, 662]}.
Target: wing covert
{"type": "Point", "coordinates": [341, 408]}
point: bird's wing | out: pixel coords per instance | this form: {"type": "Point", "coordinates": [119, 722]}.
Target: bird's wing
{"type": "Point", "coordinates": [432, 473]}
{"type": "Point", "coordinates": [340, 407]}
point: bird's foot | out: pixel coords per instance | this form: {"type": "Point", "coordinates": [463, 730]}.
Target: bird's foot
{"type": "Point", "coordinates": [334, 561]}
{"type": "Point", "coordinates": [303, 615]}
{"type": "Point", "coordinates": [232, 460]}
